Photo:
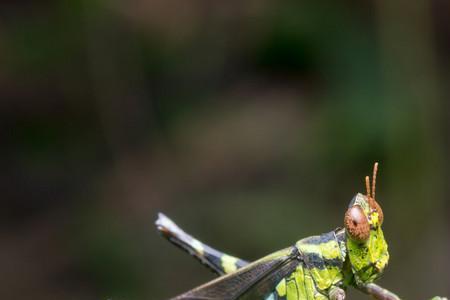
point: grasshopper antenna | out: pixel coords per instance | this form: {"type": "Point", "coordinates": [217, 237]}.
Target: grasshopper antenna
{"type": "Point", "coordinates": [374, 179]}
{"type": "Point", "coordinates": [367, 186]}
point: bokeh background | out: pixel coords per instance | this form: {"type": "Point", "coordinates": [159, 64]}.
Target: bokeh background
{"type": "Point", "coordinates": [250, 123]}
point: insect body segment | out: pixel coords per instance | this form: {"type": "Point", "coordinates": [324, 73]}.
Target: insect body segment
{"type": "Point", "coordinates": [324, 258]}
{"type": "Point", "coordinates": [320, 269]}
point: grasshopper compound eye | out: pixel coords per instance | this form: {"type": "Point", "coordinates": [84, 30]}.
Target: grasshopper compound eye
{"type": "Point", "coordinates": [356, 224]}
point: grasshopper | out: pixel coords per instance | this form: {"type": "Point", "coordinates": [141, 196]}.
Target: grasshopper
{"type": "Point", "coordinates": [317, 267]}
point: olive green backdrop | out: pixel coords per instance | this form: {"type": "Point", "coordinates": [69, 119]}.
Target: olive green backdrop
{"type": "Point", "coordinates": [250, 123]}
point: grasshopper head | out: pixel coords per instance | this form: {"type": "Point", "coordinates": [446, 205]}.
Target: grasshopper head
{"type": "Point", "coordinates": [367, 248]}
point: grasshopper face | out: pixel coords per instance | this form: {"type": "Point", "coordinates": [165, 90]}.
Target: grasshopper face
{"type": "Point", "coordinates": [367, 248]}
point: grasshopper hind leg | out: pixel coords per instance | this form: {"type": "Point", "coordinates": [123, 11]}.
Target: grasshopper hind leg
{"type": "Point", "coordinates": [217, 261]}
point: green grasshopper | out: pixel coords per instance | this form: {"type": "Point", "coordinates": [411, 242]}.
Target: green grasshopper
{"type": "Point", "coordinates": [317, 267]}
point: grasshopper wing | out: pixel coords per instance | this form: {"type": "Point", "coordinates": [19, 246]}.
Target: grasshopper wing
{"type": "Point", "coordinates": [253, 281]}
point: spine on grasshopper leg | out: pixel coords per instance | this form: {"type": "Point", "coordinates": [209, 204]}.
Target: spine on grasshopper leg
{"type": "Point", "coordinates": [217, 261]}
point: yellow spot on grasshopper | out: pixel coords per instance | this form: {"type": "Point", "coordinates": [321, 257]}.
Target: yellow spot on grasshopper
{"type": "Point", "coordinates": [229, 263]}
{"type": "Point", "coordinates": [329, 250]}
{"type": "Point", "coordinates": [281, 288]}
{"type": "Point", "coordinates": [375, 219]}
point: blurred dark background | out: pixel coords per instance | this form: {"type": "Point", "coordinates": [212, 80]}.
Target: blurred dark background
{"type": "Point", "coordinates": [252, 124]}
